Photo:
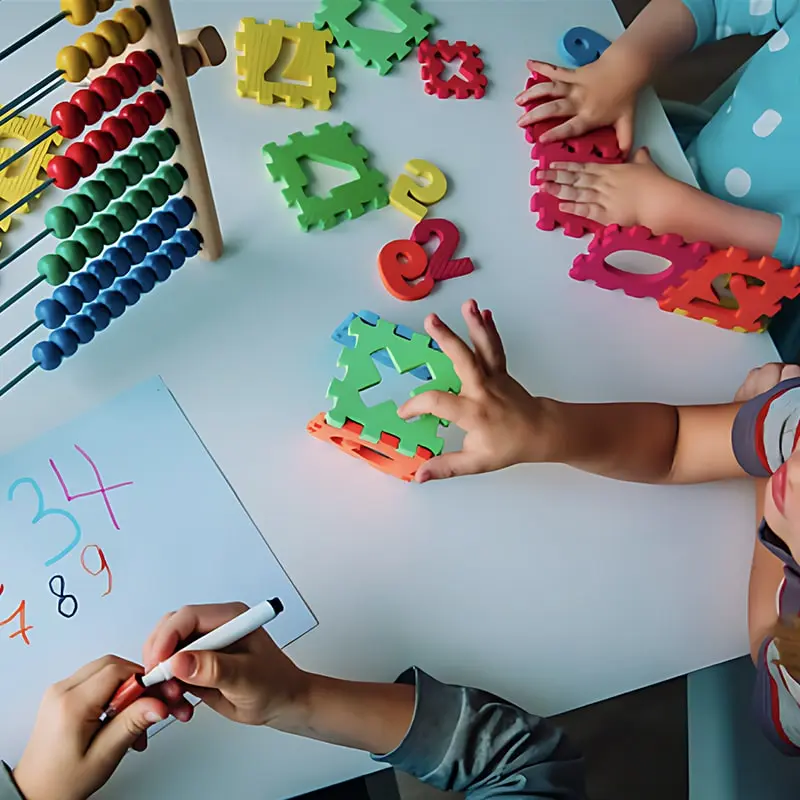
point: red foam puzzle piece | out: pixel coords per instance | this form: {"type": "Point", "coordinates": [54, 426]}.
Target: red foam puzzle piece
{"type": "Point", "coordinates": [468, 82]}
{"type": "Point", "coordinates": [551, 216]}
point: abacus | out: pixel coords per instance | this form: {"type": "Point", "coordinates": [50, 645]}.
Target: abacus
{"type": "Point", "coordinates": [142, 216]}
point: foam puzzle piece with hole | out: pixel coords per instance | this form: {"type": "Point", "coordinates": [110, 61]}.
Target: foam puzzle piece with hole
{"type": "Point", "coordinates": [376, 48]}
{"type": "Point", "coordinates": [468, 82]}
{"type": "Point", "coordinates": [260, 46]}
{"type": "Point", "coordinates": [597, 147]}
{"type": "Point", "coordinates": [758, 286]}
{"type": "Point", "coordinates": [382, 455]}
{"type": "Point", "coordinates": [333, 146]}
{"type": "Point", "coordinates": [581, 46]}
{"type": "Point", "coordinates": [361, 373]}
{"type": "Point", "coordinates": [683, 257]}
{"type": "Point", "coordinates": [550, 217]}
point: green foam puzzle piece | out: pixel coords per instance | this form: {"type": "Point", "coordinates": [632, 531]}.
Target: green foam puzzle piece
{"type": "Point", "coordinates": [361, 373]}
{"type": "Point", "coordinates": [333, 146]}
{"type": "Point", "coordinates": [374, 47]}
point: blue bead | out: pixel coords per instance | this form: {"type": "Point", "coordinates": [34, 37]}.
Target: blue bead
{"type": "Point", "coordinates": [145, 277]}
{"type": "Point", "coordinates": [66, 341]}
{"type": "Point", "coordinates": [87, 284]}
{"type": "Point", "coordinates": [151, 234]}
{"type": "Point", "coordinates": [182, 209]}
{"type": "Point", "coordinates": [83, 327]}
{"type": "Point", "coordinates": [175, 253]}
{"type": "Point", "coordinates": [167, 223]}
{"type": "Point", "coordinates": [129, 289]}
{"type": "Point", "coordinates": [120, 258]}
{"type": "Point", "coordinates": [70, 298]}
{"type": "Point", "coordinates": [48, 355]}
{"type": "Point", "coordinates": [104, 272]}
{"type": "Point", "coordinates": [99, 314]}
{"type": "Point", "coordinates": [189, 241]}
{"type": "Point", "coordinates": [51, 313]}
{"type": "Point", "coordinates": [136, 247]}
{"type": "Point", "coordinates": [160, 265]}
{"type": "Point", "coordinates": [114, 302]}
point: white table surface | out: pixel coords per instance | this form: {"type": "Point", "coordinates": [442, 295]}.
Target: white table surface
{"type": "Point", "coordinates": [550, 587]}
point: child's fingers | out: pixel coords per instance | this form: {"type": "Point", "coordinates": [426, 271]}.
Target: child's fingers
{"type": "Point", "coordinates": [455, 349]}
{"type": "Point", "coordinates": [574, 126]}
{"type": "Point", "coordinates": [624, 129]}
{"type": "Point", "coordinates": [499, 352]}
{"type": "Point", "coordinates": [124, 731]}
{"type": "Point", "coordinates": [561, 107]}
{"type": "Point", "coordinates": [551, 71]}
{"type": "Point", "coordinates": [593, 211]}
{"type": "Point", "coordinates": [572, 194]}
{"type": "Point", "coordinates": [483, 342]}
{"type": "Point", "coordinates": [540, 90]}
{"type": "Point", "coordinates": [567, 177]}
{"type": "Point", "coordinates": [449, 465]}
{"type": "Point", "coordinates": [441, 404]}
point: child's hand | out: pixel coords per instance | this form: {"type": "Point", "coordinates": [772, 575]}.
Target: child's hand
{"type": "Point", "coordinates": [70, 755]}
{"type": "Point", "coordinates": [762, 379]}
{"type": "Point", "coordinates": [587, 98]}
{"type": "Point", "coordinates": [638, 193]}
{"type": "Point", "coordinates": [504, 424]}
{"type": "Point", "coordinates": [251, 682]}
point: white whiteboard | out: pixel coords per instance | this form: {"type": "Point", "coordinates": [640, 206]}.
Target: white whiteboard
{"type": "Point", "coordinates": [170, 527]}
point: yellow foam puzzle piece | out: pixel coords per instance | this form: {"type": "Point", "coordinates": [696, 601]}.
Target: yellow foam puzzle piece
{"type": "Point", "coordinates": [413, 198]}
{"type": "Point", "coordinates": [260, 46]}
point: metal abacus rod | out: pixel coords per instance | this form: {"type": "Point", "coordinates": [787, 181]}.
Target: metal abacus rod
{"type": "Point", "coordinates": [29, 37]}
{"type": "Point", "coordinates": [9, 107]}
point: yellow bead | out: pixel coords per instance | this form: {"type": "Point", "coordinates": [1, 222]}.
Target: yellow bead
{"type": "Point", "coordinates": [74, 62]}
{"type": "Point", "coordinates": [104, 5]}
{"type": "Point", "coordinates": [96, 47]}
{"type": "Point", "coordinates": [115, 35]}
{"type": "Point", "coordinates": [81, 12]}
{"type": "Point", "coordinates": [133, 22]}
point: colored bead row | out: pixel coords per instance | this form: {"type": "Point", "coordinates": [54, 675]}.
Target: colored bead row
{"type": "Point", "coordinates": [110, 183]}
{"type": "Point", "coordinates": [72, 254]}
{"type": "Point", "coordinates": [116, 133]}
{"type": "Point", "coordinates": [81, 328]}
{"type": "Point", "coordinates": [82, 12]}
{"type": "Point", "coordinates": [109, 40]}
{"type": "Point", "coordinates": [116, 263]}
{"type": "Point", "coordinates": [87, 106]}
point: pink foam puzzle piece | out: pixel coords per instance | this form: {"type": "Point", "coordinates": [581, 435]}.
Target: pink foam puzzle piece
{"type": "Point", "coordinates": [551, 216]}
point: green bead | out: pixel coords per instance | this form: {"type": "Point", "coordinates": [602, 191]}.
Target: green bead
{"type": "Point", "coordinates": [141, 202]}
{"type": "Point", "coordinates": [74, 253]}
{"type": "Point", "coordinates": [157, 189]}
{"type": "Point", "coordinates": [125, 214]}
{"type": "Point", "coordinates": [81, 206]}
{"type": "Point", "coordinates": [61, 221]}
{"type": "Point", "coordinates": [53, 268]}
{"type": "Point", "coordinates": [115, 180]}
{"type": "Point", "coordinates": [109, 227]}
{"type": "Point", "coordinates": [98, 192]}
{"type": "Point", "coordinates": [164, 141]}
{"type": "Point", "coordinates": [148, 154]}
{"type": "Point", "coordinates": [172, 176]}
{"type": "Point", "coordinates": [132, 167]}
{"type": "Point", "coordinates": [91, 239]}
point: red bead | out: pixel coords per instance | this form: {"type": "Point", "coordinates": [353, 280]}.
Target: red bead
{"type": "Point", "coordinates": [90, 103]}
{"type": "Point", "coordinates": [144, 66]}
{"type": "Point", "coordinates": [154, 105]}
{"type": "Point", "coordinates": [121, 130]}
{"type": "Point", "coordinates": [137, 117]}
{"type": "Point", "coordinates": [126, 77]}
{"type": "Point", "coordinates": [65, 172]}
{"type": "Point", "coordinates": [103, 144]}
{"type": "Point", "coordinates": [110, 92]}
{"type": "Point", "coordinates": [69, 118]}
{"type": "Point", "coordinates": [84, 156]}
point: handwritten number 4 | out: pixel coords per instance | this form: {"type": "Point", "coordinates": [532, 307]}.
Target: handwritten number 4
{"type": "Point", "coordinates": [43, 512]}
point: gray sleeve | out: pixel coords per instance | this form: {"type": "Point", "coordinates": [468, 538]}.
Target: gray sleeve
{"type": "Point", "coordinates": [466, 740]}
{"type": "Point", "coordinates": [8, 789]}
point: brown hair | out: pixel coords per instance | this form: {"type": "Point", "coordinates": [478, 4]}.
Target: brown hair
{"type": "Point", "coordinates": [787, 639]}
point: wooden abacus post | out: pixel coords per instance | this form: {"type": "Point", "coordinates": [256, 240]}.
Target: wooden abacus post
{"type": "Point", "coordinates": [162, 39]}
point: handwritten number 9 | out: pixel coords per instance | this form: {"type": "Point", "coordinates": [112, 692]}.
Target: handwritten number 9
{"type": "Point", "coordinates": [42, 512]}
{"type": "Point", "coordinates": [103, 566]}
{"type": "Point", "coordinates": [402, 261]}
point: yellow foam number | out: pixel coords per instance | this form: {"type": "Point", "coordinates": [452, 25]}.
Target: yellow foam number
{"type": "Point", "coordinates": [260, 46]}
{"type": "Point", "coordinates": [413, 198]}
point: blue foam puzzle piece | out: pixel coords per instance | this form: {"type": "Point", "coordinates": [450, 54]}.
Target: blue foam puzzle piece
{"type": "Point", "coordinates": [343, 337]}
{"type": "Point", "coordinates": [581, 46]}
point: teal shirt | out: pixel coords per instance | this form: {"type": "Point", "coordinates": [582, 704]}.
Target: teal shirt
{"type": "Point", "coordinates": [748, 152]}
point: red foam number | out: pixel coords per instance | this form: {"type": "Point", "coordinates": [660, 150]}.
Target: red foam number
{"type": "Point", "coordinates": [101, 490]}
{"type": "Point", "coordinates": [402, 261]}
{"type": "Point", "coordinates": [441, 265]}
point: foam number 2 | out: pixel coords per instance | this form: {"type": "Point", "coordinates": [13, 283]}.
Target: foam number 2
{"type": "Point", "coordinates": [441, 266]}
{"type": "Point", "coordinates": [413, 198]}
{"type": "Point", "coordinates": [42, 512]}
{"type": "Point", "coordinates": [402, 261]}
{"type": "Point", "coordinates": [67, 603]}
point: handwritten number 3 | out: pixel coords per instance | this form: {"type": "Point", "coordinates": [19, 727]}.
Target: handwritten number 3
{"type": "Point", "coordinates": [42, 512]}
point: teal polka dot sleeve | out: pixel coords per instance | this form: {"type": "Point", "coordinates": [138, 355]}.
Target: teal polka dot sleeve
{"type": "Point", "coordinates": [718, 19]}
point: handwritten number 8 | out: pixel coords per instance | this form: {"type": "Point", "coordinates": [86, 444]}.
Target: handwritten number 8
{"type": "Point", "coordinates": [42, 512]}
{"type": "Point", "coordinates": [63, 597]}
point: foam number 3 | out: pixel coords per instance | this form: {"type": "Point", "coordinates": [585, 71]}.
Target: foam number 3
{"type": "Point", "coordinates": [441, 265]}
{"type": "Point", "coordinates": [402, 261]}
{"type": "Point", "coordinates": [42, 512]}
{"type": "Point", "coordinates": [413, 198]}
